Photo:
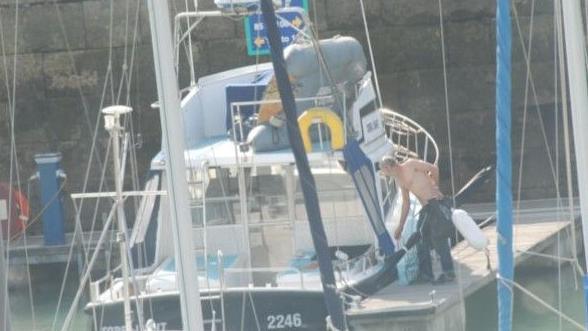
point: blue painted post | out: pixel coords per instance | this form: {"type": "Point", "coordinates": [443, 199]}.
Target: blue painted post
{"type": "Point", "coordinates": [504, 164]}
{"type": "Point", "coordinates": [48, 167]}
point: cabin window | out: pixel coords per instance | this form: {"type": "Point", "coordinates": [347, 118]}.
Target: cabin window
{"type": "Point", "coordinates": [216, 195]}
{"type": "Point", "coordinates": [337, 195]}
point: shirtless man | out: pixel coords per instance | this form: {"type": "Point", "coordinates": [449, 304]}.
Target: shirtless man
{"type": "Point", "coordinates": [434, 224]}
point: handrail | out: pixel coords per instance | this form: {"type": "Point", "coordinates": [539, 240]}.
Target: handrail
{"type": "Point", "coordinates": [268, 269]}
{"type": "Point", "coordinates": [237, 121]}
{"type": "Point", "coordinates": [402, 126]}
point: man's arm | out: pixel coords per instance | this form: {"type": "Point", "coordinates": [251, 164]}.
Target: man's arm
{"type": "Point", "coordinates": [403, 213]}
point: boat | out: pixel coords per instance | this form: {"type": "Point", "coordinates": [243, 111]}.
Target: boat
{"type": "Point", "coordinates": [257, 266]}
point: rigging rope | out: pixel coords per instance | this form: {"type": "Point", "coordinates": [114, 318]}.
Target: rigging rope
{"type": "Point", "coordinates": [108, 81]}
{"type": "Point", "coordinates": [14, 170]}
{"type": "Point", "coordinates": [513, 284]}
{"type": "Point", "coordinates": [525, 107]}
{"type": "Point", "coordinates": [371, 50]}
{"type": "Point", "coordinates": [566, 134]}
{"type": "Point", "coordinates": [451, 168]}
{"type": "Point", "coordinates": [535, 97]}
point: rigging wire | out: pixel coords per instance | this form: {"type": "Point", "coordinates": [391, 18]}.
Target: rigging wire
{"type": "Point", "coordinates": [527, 58]}
{"type": "Point", "coordinates": [535, 96]}
{"type": "Point", "coordinates": [14, 170]}
{"type": "Point", "coordinates": [526, 54]}
{"type": "Point", "coordinates": [451, 168]}
{"type": "Point", "coordinates": [371, 50]}
{"type": "Point", "coordinates": [93, 152]}
{"type": "Point", "coordinates": [566, 135]}
{"type": "Point", "coordinates": [108, 81]}
{"type": "Point", "coordinates": [513, 284]}
{"type": "Point", "coordinates": [556, 144]}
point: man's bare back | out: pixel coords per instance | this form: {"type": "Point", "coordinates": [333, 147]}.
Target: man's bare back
{"type": "Point", "coordinates": [418, 177]}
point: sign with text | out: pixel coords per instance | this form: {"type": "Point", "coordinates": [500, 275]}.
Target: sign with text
{"type": "Point", "coordinates": [290, 22]}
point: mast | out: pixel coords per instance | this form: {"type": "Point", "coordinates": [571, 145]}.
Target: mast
{"type": "Point", "coordinates": [576, 70]}
{"type": "Point", "coordinates": [112, 124]}
{"type": "Point", "coordinates": [504, 165]}
{"type": "Point", "coordinates": [172, 131]}
{"type": "Point", "coordinates": [317, 230]}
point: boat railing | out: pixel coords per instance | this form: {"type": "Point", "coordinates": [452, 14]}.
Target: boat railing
{"type": "Point", "coordinates": [266, 270]}
{"type": "Point", "coordinates": [409, 138]}
{"type": "Point", "coordinates": [107, 281]}
{"type": "Point", "coordinates": [238, 121]}
{"type": "Point", "coordinates": [359, 263]}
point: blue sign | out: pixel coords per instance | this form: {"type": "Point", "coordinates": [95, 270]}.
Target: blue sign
{"type": "Point", "coordinates": [296, 3]}
{"type": "Point", "coordinates": [290, 22]}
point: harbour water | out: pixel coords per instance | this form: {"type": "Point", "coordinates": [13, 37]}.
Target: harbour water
{"type": "Point", "coordinates": [46, 285]}
{"type": "Point", "coordinates": [481, 308]}
{"type": "Point", "coordinates": [529, 315]}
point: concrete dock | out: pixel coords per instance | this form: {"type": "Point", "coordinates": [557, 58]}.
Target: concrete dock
{"type": "Point", "coordinates": [440, 307]}
{"type": "Point", "coordinates": [39, 253]}
{"type": "Point", "coordinates": [35, 252]}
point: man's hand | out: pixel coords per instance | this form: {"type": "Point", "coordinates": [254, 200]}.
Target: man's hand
{"type": "Point", "coordinates": [398, 233]}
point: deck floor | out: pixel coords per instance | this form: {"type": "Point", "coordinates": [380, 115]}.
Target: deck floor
{"type": "Point", "coordinates": [471, 267]}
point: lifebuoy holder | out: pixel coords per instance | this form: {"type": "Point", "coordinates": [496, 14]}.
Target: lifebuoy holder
{"type": "Point", "coordinates": [323, 116]}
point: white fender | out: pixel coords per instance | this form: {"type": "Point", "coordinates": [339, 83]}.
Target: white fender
{"type": "Point", "coordinates": [469, 229]}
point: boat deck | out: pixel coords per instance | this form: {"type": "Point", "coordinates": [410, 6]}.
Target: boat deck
{"type": "Point", "coordinates": [437, 307]}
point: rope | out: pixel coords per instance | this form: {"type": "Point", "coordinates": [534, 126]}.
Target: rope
{"type": "Point", "coordinates": [559, 202]}
{"type": "Point", "coordinates": [525, 107]}
{"type": "Point", "coordinates": [451, 168]}
{"type": "Point", "coordinates": [13, 165]}
{"type": "Point", "coordinates": [513, 284]}
{"type": "Point", "coordinates": [28, 268]}
{"type": "Point", "coordinates": [371, 51]}
{"type": "Point", "coordinates": [93, 151]}
{"type": "Point", "coordinates": [190, 53]}
{"type": "Point", "coordinates": [535, 97]}
{"type": "Point", "coordinates": [565, 120]}
{"type": "Point", "coordinates": [64, 281]}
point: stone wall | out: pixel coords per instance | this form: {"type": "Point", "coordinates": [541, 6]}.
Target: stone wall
{"type": "Point", "coordinates": [63, 77]}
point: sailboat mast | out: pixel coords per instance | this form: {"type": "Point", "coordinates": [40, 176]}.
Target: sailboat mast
{"type": "Point", "coordinates": [317, 230]}
{"type": "Point", "coordinates": [112, 123]}
{"type": "Point", "coordinates": [504, 164]}
{"type": "Point", "coordinates": [173, 147]}
{"type": "Point", "coordinates": [576, 69]}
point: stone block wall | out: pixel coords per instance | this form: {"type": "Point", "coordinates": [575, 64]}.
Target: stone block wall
{"type": "Point", "coordinates": [70, 63]}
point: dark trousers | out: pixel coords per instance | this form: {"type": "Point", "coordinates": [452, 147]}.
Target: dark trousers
{"type": "Point", "coordinates": [435, 226]}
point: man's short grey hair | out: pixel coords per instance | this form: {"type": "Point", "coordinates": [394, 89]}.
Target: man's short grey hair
{"type": "Point", "coordinates": [389, 161]}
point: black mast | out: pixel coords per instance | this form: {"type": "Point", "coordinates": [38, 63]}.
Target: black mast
{"type": "Point", "coordinates": [319, 238]}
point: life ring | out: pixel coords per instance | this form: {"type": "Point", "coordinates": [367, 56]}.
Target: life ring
{"type": "Point", "coordinates": [327, 117]}
{"type": "Point", "coordinates": [19, 211]}
{"type": "Point", "coordinates": [22, 205]}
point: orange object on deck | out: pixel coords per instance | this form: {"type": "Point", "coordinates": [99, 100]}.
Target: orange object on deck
{"type": "Point", "coordinates": [14, 211]}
